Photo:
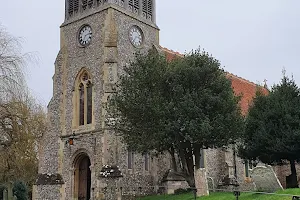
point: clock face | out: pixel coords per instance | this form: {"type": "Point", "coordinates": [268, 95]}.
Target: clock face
{"type": "Point", "coordinates": [85, 35]}
{"type": "Point", "coordinates": [136, 36]}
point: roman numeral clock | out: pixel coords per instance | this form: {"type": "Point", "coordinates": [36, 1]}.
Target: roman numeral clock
{"type": "Point", "coordinates": [136, 36]}
{"type": "Point", "coordinates": [85, 35]}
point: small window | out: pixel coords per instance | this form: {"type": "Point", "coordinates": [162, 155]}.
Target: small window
{"type": "Point", "coordinates": [130, 159]}
{"type": "Point", "coordinates": [147, 161]}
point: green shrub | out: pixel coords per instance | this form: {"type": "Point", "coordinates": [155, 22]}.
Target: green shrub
{"type": "Point", "coordinates": [20, 190]}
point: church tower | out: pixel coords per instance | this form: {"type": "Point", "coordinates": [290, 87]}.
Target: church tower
{"type": "Point", "coordinates": [98, 38]}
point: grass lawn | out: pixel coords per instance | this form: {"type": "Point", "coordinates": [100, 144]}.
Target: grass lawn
{"type": "Point", "coordinates": [229, 196]}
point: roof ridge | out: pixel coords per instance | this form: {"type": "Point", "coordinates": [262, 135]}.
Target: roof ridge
{"type": "Point", "coordinates": [228, 73]}
{"type": "Point", "coordinates": [171, 51]}
{"type": "Point", "coordinates": [242, 79]}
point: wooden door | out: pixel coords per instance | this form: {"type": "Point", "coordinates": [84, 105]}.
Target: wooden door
{"type": "Point", "coordinates": [84, 186]}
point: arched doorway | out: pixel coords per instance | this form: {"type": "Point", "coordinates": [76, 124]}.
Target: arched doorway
{"type": "Point", "coordinates": [82, 178]}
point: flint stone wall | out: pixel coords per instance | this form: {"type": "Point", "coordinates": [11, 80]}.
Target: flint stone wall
{"type": "Point", "coordinates": [283, 171]}
{"type": "Point", "coordinates": [48, 192]}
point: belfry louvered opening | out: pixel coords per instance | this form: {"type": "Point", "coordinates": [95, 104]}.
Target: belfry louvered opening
{"type": "Point", "coordinates": [84, 4]}
{"type": "Point", "coordinates": [148, 8]}
{"type": "Point", "coordinates": [144, 8]}
{"type": "Point", "coordinates": [73, 7]}
{"type": "Point", "coordinates": [90, 3]}
{"type": "Point", "coordinates": [70, 7]}
{"type": "Point", "coordinates": [134, 3]}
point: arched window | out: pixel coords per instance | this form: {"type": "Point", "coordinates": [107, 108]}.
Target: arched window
{"type": "Point", "coordinates": [85, 99]}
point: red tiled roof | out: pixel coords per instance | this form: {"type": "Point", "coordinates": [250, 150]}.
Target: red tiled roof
{"type": "Point", "coordinates": [246, 89]}
{"type": "Point", "coordinates": [243, 87]}
{"type": "Point", "coordinates": [170, 55]}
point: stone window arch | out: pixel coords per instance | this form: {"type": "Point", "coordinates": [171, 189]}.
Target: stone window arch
{"type": "Point", "coordinates": [83, 108]}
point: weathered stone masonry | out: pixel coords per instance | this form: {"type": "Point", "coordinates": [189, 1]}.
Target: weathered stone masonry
{"type": "Point", "coordinates": [102, 59]}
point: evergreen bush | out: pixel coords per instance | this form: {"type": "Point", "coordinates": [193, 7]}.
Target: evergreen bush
{"type": "Point", "coordinates": [20, 190]}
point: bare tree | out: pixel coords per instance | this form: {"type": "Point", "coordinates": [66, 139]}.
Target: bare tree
{"type": "Point", "coordinates": [22, 119]}
{"type": "Point", "coordinates": [12, 70]}
{"type": "Point", "coordinates": [12, 65]}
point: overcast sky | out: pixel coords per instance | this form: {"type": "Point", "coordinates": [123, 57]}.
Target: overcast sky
{"type": "Point", "coordinates": [254, 39]}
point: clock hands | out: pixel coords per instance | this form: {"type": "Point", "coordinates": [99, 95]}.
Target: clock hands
{"type": "Point", "coordinates": [136, 37]}
{"type": "Point", "coordinates": [85, 35]}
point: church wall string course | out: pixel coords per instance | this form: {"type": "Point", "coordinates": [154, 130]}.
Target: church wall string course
{"type": "Point", "coordinates": [98, 37]}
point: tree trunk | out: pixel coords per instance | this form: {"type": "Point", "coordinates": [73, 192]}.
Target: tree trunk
{"type": "Point", "coordinates": [174, 164]}
{"type": "Point", "coordinates": [191, 181]}
{"type": "Point", "coordinates": [187, 162]}
{"type": "Point", "coordinates": [293, 183]}
{"type": "Point", "coordinates": [197, 154]}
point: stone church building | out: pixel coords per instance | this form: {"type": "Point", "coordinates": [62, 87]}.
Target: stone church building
{"type": "Point", "coordinates": [97, 38]}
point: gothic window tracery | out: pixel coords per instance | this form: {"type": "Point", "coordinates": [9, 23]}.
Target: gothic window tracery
{"type": "Point", "coordinates": [85, 99]}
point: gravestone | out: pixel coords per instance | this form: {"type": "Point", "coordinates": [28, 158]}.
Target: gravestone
{"type": "Point", "coordinates": [201, 182]}
{"type": "Point", "coordinates": [172, 181]}
{"type": "Point", "coordinates": [265, 178]}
